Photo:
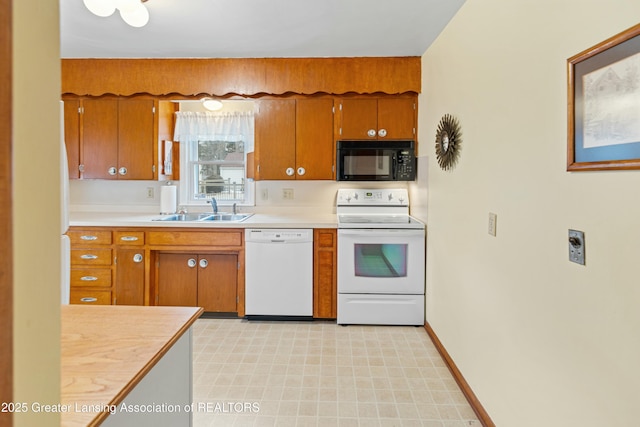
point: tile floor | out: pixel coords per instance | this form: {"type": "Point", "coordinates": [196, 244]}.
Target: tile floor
{"type": "Point", "coordinates": [321, 374]}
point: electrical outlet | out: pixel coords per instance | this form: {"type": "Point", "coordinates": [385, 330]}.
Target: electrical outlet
{"type": "Point", "coordinates": [493, 219]}
{"type": "Point", "coordinates": [576, 246]}
{"type": "Point", "coordinates": [287, 193]}
{"type": "Point", "coordinates": [149, 192]}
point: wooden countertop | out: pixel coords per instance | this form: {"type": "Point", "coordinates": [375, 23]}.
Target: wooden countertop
{"type": "Point", "coordinates": [107, 350]}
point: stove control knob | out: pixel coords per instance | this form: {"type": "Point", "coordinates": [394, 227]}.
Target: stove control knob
{"type": "Point", "coordinates": [355, 196]}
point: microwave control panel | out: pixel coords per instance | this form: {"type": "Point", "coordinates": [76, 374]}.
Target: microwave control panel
{"type": "Point", "coordinates": [406, 166]}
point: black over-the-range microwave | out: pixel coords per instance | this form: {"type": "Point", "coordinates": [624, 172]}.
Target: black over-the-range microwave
{"type": "Point", "coordinates": [376, 160]}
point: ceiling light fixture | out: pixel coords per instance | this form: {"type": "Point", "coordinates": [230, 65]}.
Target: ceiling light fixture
{"type": "Point", "coordinates": [211, 104]}
{"type": "Point", "coordinates": [133, 12]}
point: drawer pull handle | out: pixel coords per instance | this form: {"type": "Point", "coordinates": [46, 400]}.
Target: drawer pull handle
{"type": "Point", "coordinates": [88, 299]}
{"type": "Point", "coordinates": [88, 237]}
{"type": "Point", "coordinates": [88, 278]}
{"type": "Point", "coordinates": [89, 256]}
{"type": "Point", "coordinates": [129, 238]}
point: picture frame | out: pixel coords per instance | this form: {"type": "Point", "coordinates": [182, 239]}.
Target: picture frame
{"type": "Point", "coordinates": [604, 105]}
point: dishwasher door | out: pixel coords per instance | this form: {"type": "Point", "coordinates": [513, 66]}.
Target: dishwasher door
{"type": "Point", "coordinates": [279, 274]}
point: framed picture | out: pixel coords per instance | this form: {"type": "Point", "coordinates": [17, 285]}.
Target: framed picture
{"type": "Point", "coordinates": [604, 105]}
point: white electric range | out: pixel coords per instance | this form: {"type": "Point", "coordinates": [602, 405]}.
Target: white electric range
{"type": "Point", "coordinates": [381, 258]}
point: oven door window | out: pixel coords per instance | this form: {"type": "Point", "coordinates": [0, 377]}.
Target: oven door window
{"type": "Point", "coordinates": [380, 260]}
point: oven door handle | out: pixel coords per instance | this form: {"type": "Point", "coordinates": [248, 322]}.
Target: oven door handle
{"type": "Point", "coordinates": [380, 232]}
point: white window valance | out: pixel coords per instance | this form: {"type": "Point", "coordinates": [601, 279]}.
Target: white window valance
{"type": "Point", "coordinates": [212, 126]}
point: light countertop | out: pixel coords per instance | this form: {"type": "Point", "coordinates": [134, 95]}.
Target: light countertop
{"type": "Point", "coordinates": [107, 350]}
{"type": "Point", "coordinates": [305, 219]}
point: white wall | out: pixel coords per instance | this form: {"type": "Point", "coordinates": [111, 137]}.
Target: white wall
{"type": "Point", "coordinates": [541, 341]}
{"type": "Point", "coordinates": [36, 208]}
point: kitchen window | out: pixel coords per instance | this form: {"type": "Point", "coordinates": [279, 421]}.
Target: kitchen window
{"type": "Point", "coordinates": [213, 151]}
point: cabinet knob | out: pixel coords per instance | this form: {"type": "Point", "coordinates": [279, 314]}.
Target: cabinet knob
{"type": "Point", "coordinates": [122, 171]}
{"type": "Point", "coordinates": [371, 133]}
{"type": "Point", "coordinates": [290, 171]}
{"type": "Point", "coordinates": [137, 258]}
{"type": "Point", "coordinates": [301, 171]}
{"type": "Point", "coordinates": [112, 170]}
{"type": "Point", "coordinates": [204, 263]}
{"type": "Point", "coordinates": [191, 262]}
{"type": "Point", "coordinates": [382, 133]}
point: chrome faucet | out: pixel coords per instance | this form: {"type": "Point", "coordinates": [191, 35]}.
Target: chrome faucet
{"type": "Point", "coordinates": [214, 205]}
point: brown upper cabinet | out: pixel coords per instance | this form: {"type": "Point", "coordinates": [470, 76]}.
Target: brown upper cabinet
{"type": "Point", "coordinates": [294, 139]}
{"type": "Point", "coordinates": [110, 138]}
{"type": "Point", "coordinates": [377, 118]}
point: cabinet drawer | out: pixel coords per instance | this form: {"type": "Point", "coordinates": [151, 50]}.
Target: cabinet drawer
{"type": "Point", "coordinates": [81, 296]}
{"type": "Point", "coordinates": [134, 238]}
{"type": "Point", "coordinates": [91, 277]}
{"type": "Point", "coordinates": [91, 256]}
{"type": "Point", "coordinates": [195, 238]}
{"type": "Point", "coordinates": [89, 237]}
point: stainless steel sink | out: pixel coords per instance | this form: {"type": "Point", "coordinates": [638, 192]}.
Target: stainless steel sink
{"type": "Point", "coordinates": [184, 217]}
{"type": "Point", "coordinates": [227, 217]}
{"type": "Point", "coordinates": [222, 216]}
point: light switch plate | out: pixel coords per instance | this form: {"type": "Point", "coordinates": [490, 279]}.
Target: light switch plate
{"type": "Point", "coordinates": [576, 246]}
{"type": "Point", "coordinates": [493, 219]}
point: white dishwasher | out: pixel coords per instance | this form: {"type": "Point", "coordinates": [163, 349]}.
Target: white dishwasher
{"type": "Point", "coordinates": [279, 274]}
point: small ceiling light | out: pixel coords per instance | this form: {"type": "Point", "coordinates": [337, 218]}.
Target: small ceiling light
{"type": "Point", "coordinates": [211, 104]}
{"type": "Point", "coordinates": [133, 12]}
{"type": "Point", "coordinates": [100, 7]}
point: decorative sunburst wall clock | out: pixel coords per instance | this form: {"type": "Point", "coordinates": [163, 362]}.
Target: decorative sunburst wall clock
{"type": "Point", "coordinates": [448, 140]}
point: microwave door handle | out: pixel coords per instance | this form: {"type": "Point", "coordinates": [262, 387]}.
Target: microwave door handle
{"type": "Point", "coordinates": [393, 167]}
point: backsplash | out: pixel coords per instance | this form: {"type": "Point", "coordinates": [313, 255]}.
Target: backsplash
{"type": "Point", "coordinates": [104, 195]}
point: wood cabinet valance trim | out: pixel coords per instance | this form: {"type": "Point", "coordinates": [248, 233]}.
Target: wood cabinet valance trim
{"type": "Point", "coordinates": [240, 76]}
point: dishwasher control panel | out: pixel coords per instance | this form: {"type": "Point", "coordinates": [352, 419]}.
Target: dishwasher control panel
{"type": "Point", "coordinates": [279, 235]}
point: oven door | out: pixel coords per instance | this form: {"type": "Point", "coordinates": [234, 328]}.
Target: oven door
{"type": "Point", "coordinates": [381, 261]}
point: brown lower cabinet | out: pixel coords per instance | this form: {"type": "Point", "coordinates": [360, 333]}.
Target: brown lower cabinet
{"type": "Point", "coordinates": [325, 292]}
{"type": "Point", "coordinates": [180, 267]}
{"type": "Point", "coordinates": [205, 280]}
{"type": "Point", "coordinates": [130, 269]}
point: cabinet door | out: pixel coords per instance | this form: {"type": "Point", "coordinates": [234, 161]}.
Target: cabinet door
{"type": "Point", "coordinates": [135, 139]}
{"type": "Point", "coordinates": [397, 116]}
{"type": "Point", "coordinates": [314, 138]}
{"type": "Point", "coordinates": [130, 276]}
{"type": "Point", "coordinates": [325, 293]}
{"type": "Point", "coordinates": [100, 138]}
{"type": "Point", "coordinates": [275, 138]}
{"type": "Point", "coordinates": [217, 282]}
{"type": "Point", "coordinates": [72, 136]}
{"type": "Point", "coordinates": [358, 118]}
{"type": "Point", "coordinates": [177, 280]}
